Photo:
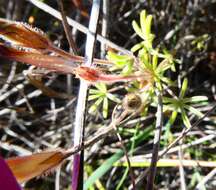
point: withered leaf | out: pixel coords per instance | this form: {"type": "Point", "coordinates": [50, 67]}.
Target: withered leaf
{"type": "Point", "coordinates": [27, 167]}
{"type": "Point", "coordinates": [22, 34]}
{"type": "Point", "coordinates": [52, 63]}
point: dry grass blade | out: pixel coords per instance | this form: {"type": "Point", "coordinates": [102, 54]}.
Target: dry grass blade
{"type": "Point", "coordinates": [27, 167]}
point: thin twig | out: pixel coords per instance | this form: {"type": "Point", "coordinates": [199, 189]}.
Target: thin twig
{"type": "Point", "coordinates": [156, 146]}
{"type": "Point", "coordinates": [104, 29]}
{"type": "Point", "coordinates": [67, 29]}
{"type": "Point", "coordinates": [82, 98]}
{"type": "Point", "coordinates": [210, 175]}
{"type": "Point", "coordinates": [9, 79]}
{"type": "Point", "coordinates": [181, 169]}
{"type": "Point", "coordinates": [185, 146]}
{"type": "Point", "coordinates": [187, 131]}
{"type": "Point", "coordinates": [117, 121]}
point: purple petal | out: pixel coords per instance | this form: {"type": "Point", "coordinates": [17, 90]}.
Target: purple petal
{"type": "Point", "coordinates": [7, 179]}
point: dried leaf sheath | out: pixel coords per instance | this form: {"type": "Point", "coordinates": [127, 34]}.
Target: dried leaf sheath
{"type": "Point", "coordinates": [52, 63]}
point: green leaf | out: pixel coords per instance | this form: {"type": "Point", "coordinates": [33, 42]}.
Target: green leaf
{"type": "Point", "coordinates": [185, 119]}
{"type": "Point", "coordinates": [127, 69]}
{"type": "Point", "coordinates": [94, 107]}
{"type": "Point", "coordinates": [137, 47]}
{"type": "Point", "coordinates": [99, 172]}
{"type": "Point", "coordinates": [101, 87]}
{"type": "Point", "coordinates": [173, 117]}
{"type": "Point", "coordinates": [195, 99]}
{"type": "Point", "coordinates": [137, 30]}
{"type": "Point", "coordinates": [168, 81]}
{"type": "Point", "coordinates": [184, 88]}
{"type": "Point", "coordinates": [143, 21]}
{"type": "Point", "coordinates": [94, 96]}
{"type": "Point", "coordinates": [169, 100]}
{"type": "Point", "coordinates": [118, 58]}
{"type": "Point", "coordinates": [105, 107]}
{"type": "Point", "coordinates": [94, 91]}
{"type": "Point", "coordinates": [113, 98]}
{"type": "Point", "coordinates": [194, 111]}
{"type": "Point", "coordinates": [148, 27]}
{"type": "Point", "coordinates": [154, 61]}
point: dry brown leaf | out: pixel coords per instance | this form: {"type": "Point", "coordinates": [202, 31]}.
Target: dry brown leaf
{"type": "Point", "coordinates": [24, 35]}
{"type": "Point", "coordinates": [52, 63]}
{"type": "Point", "coordinates": [27, 167]}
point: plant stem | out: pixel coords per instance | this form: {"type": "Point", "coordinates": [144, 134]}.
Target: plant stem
{"type": "Point", "coordinates": [67, 29]}
{"type": "Point", "coordinates": [156, 146]}
{"type": "Point", "coordinates": [77, 176]}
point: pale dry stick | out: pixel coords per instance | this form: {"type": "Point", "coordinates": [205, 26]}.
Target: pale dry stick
{"type": "Point", "coordinates": [181, 169]}
{"type": "Point", "coordinates": [77, 176]}
{"type": "Point", "coordinates": [129, 13]}
{"type": "Point", "coordinates": [57, 178]}
{"type": "Point", "coordinates": [18, 149]}
{"type": "Point", "coordinates": [54, 115]}
{"type": "Point", "coordinates": [9, 78]}
{"type": "Point", "coordinates": [202, 183]}
{"type": "Point", "coordinates": [184, 146]}
{"type": "Point", "coordinates": [104, 30]}
{"type": "Point", "coordinates": [159, 123]}
{"type": "Point", "coordinates": [30, 134]}
{"type": "Point", "coordinates": [46, 8]}
{"type": "Point", "coordinates": [36, 82]}
{"type": "Point", "coordinates": [11, 133]}
{"type": "Point", "coordinates": [109, 181]}
{"type": "Point", "coordinates": [30, 108]}
{"type": "Point", "coordinates": [18, 87]}
{"type": "Point", "coordinates": [201, 140]}
{"type": "Point", "coordinates": [13, 90]}
{"type": "Point", "coordinates": [37, 141]}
